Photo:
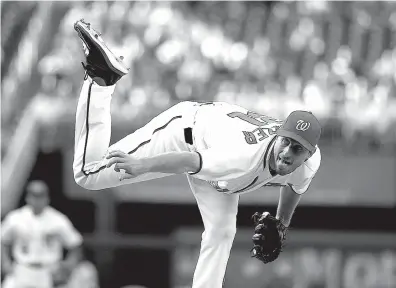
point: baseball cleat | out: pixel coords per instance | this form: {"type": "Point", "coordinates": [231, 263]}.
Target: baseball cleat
{"type": "Point", "coordinates": [101, 62]}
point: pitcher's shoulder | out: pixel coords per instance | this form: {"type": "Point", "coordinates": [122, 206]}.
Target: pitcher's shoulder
{"type": "Point", "coordinates": [314, 161]}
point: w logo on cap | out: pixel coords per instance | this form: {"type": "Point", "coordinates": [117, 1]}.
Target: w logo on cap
{"type": "Point", "coordinates": [302, 125]}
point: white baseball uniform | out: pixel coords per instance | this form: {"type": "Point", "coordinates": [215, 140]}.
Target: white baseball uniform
{"type": "Point", "coordinates": [234, 145]}
{"type": "Point", "coordinates": [37, 245]}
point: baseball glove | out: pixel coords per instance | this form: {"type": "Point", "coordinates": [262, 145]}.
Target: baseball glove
{"type": "Point", "coordinates": [269, 236]}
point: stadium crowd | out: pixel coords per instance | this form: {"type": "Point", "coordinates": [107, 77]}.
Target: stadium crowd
{"type": "Point", "coordinates": [336, 59]}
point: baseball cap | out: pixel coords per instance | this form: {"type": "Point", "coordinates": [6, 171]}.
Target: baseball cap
{"type": "Point", "coordinates": [303, 127]}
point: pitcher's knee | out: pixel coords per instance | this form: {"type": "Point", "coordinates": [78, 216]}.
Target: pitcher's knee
{"type": "Point", "coordinates": [221, 227]}
{"type": "Point", "coordinates": [220, 234]}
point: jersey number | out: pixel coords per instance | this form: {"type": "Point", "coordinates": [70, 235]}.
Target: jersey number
{"type": "Point", "coordinates": [254, 118]}
{"type": "Point", "coordinates": [257, 120]}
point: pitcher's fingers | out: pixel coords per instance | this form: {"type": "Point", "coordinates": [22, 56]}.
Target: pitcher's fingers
{"type": "Point", "coordinates": [115, 160]}
{"type": "Point", "coordinates": [125, 176]}
{"type": "Point", "coordinates": [116, 153]}
{"type": "Point", "coordinates": [119, 166]}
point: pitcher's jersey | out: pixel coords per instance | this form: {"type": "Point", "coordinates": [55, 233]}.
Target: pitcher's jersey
{"type": "Point", "coordinates": [38, 238]}
{"type": "Point", "coordinates": [235, 146]}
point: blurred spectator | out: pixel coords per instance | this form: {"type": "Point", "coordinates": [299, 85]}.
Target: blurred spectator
{"type": "Point", "coordinates": [33, 238]}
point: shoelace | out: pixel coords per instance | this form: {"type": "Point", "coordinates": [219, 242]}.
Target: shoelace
{"type": "Point", "coordinates": [85, 68]}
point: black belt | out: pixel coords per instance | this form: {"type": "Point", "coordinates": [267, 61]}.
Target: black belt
{"type": "Point", "coordinates": [188, 136]}
{"type": "Point", "coordinates": [34, 265]}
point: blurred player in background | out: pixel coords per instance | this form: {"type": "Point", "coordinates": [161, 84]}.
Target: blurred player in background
{"type": "Point", "coordinates": [225, 150]}
{"type": "Point", "coordinates": [33, 238]}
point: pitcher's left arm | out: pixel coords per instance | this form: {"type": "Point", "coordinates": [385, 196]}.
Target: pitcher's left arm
{"type": "Point", "coordinates": [269, 232]}
{"type": "Point", "coordinates": [288, 201]}
{"type": "Point", "coordinates": [295, 186]}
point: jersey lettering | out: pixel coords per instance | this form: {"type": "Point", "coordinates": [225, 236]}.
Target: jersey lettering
{"type": "Point", "coordinates": [258, 134]}
{"type": "Point", "coordinates": [250, 137]}
{"type": "Point", "coordinates": [262, 133]}
{"type": "Point", "coordinates": [254, 118]}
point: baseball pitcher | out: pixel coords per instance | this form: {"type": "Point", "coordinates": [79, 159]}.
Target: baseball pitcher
{"type": "Point", "coordinates": [225, 151]}
{"type": "Point", "coordinates": [36, 235]}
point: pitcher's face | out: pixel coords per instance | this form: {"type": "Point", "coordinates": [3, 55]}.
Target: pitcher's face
{"type": "Point", "coordinates": [288, 155]}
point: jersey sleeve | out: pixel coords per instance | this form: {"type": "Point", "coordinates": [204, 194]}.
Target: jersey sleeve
{"type": "Point", "coordinates": [70, 236]}
{"type": "Point", "coordinates": [7, 228]}
{"type": "Point", "coordinates": [302, 177]}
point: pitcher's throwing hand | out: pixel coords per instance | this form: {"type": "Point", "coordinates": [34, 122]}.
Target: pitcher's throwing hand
{"type": "Point", "coordinates": [131, 165]}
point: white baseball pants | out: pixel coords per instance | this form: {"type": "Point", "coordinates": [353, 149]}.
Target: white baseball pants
{"type": "Point", "coordinates": [164, 133]}
{"type": "Point", "coordinates": [24, 276]}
